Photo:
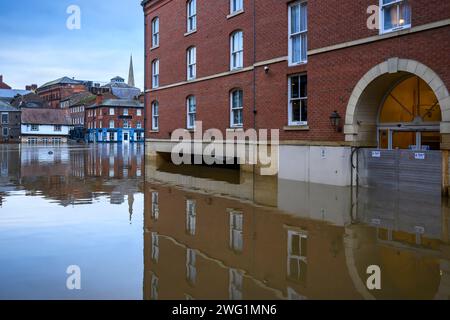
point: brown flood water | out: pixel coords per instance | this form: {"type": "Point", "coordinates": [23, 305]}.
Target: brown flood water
{"type": "Point", "coordinates": [155, 231]}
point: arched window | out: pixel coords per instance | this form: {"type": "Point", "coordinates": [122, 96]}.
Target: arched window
{"type": "Point", "coordinates": [191, 105]}
{"type": "Point", "coordinates": [155, 115]}
{"type": "Point", "coordinates": [155, 32]}
{"type": "Point", "coordinates": [237, 50]}
{"type": "Point", "coordinates": [236, 108]}
{"type": "Point", "coordinates": [191, 57]}
{"type": "Point", "coordinates": [155, 73]}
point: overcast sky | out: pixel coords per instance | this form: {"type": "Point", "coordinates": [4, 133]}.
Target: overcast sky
{"type": "Point", "coordinates": [36, 46]}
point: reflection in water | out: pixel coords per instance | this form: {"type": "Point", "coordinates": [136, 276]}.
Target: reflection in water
{"type": "Point", "coordinates": [213, 233]}
{"type": "Point", "coordinates": [61, 206]}
{"type": "Point", "coordinates": [263, 238]}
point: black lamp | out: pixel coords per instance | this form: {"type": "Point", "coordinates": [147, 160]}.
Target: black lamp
{"type": "Point", "coordinates": [335, 120]}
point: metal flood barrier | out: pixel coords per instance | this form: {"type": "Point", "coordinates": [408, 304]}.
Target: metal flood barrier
{"type": "Point", "coordinates": [402, 170]}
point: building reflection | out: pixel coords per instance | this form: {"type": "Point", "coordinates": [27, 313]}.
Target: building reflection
{"type": "Point", "coordinates": [263, 238]}
{"type": "Point", "coordinates": [73, 175]}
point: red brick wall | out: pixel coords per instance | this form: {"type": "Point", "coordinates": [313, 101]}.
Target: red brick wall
{"type": "Point", "coordinates": [55, 95]}
{"type": "Point", "coordinates": [332, 76]}
{"type": "Point", "coordinates": [104, 117]}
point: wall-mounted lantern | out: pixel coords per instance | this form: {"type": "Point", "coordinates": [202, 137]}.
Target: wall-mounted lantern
{"type": "Point", "coordinates": [335, 120]}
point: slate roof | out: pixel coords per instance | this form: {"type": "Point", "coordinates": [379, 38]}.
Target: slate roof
{"type": "Point", "coordinates": [6, 107]}
{"type": "Point", "coordinates": [119, 103]}
{"type": "Point", "coordinates": [45, 116]}
{"type": "Point", "coordinates": [63, 80]}
{"type": "Point", "coordinates": [11, 93]}
{"type": "Point", "coordinates": [80, 98]}
{"type": "Point", "coordinates": [30, 100]}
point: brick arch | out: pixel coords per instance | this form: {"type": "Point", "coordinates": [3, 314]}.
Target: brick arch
{"type": "Point", "coordinates": [360, 122]}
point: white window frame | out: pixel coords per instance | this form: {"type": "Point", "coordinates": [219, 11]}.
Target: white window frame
{"type": "Point", "coordinates": [234, 109]}
{"type": "Point", "coordinates": [34, 127]}
{"type": "Point", "coordinates": [191, 216]}
{"type": "Point", "coordinates": [396, 3]}
{"type": "Point", "coordinates": [155, 246]}
{"type": "Point", "coordinates": [154, 287]}
{"type": "Point", "coordinates": [155, 32]}
{"type": "Point", "coordinates": [236, 6]}
{"type": "Point", "coordinates": [138, 125]}
{"type": "Point", "coordinates": [155, 205]}
{"type": "Point", "coordinates": [301, 33]}
{"type": "Point", "coordinates": [126, 124]}
{"type": "Point", "coordinates": [112, 124]}
{"type": "Point", "coordinates": [236, 231]}
{"type": "Point", "coordinates": [290, 100]}
{"type": "Point", "coordinates": [300, 257]}
{"type": "Point", "coordinates": [57, 128]}
{"type": "Point", "coordinates": [7, 118]}
{"type": "Point", "coordinates": [191, 62]}
{"type": "Point", "coordinates": [111, 111]}
{"type": "Point", "coordinates": [5, 129]}
{"type": "Point", "coordinates": [155, 74]}
{"type": "Point", "coordinates": [191, 268]}
{"type": "Point", "coordinates": [236, 284]}
{"type": "Point", "coordinates": [191, 12]}
{"type": "Point", "coordinates": [155, 115]}
{"type": "Point", "coordinates": [139, 113]}
{"type": "Point", "coordinates": [191, 101]}
{"type": "Point", "coordinates": [125, 112]}
{"type": "Point", "coordinates": [237, 53]}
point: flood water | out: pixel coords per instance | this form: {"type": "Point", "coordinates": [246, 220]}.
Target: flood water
{"type": "Point", "coordinates": [151, 230]}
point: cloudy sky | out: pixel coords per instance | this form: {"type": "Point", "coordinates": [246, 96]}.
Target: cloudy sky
{"type": "Point", "coordinates": [36, 46]}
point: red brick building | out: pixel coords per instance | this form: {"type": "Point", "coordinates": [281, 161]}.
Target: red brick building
{"type": "Point", "coordinates": [114, 120]}
{"type": "Point", "coordinates": [330, 77]}
{"type": "Point", "coordinates": [55, 91]}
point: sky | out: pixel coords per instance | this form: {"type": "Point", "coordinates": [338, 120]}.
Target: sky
{"type": "Point", "coordinates": [36, 46]}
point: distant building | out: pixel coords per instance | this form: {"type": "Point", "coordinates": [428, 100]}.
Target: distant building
{"type": "Point", "coordinates": [122, 90]}
{"type": "Point", "coordinates": [31, 87]}
{"type": "Point", "coordinates": [9, 94]}
{"type": "Point", "coordinates": [44, 125]}
{"type": "Point", "coordinates": [2, 84]}
{"type": "Point", "coordinates": [57, 90]}
{"type": "Point", "coordinates": [115, 120]}
{"type": "Point", "coordinates": [76, 105]}
{"type": "Point", "coordinates": [9, 123]}
{"type": "Point", "coordinates": [29, 100]}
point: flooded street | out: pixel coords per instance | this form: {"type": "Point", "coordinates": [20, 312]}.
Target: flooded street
{"type": "Point", "coordinates": [206, 233]}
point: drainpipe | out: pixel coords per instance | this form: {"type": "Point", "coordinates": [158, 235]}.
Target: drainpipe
{"type": "Point", "coordinates": [254, 90]}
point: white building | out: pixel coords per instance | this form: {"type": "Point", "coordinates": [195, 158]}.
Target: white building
{"type": "Point", "coordinates": [41, 125]}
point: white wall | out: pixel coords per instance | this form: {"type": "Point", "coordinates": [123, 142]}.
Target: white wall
{"type": "Point", "coordinates": [45, 130]}
{"type": "Point", "coordinates": [325, 165]}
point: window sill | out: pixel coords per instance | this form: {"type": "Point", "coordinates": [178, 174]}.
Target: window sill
{"type": "Point", "coordinates": [234, 14]}
{"type": "Point", "coordinates": [235, 129]}
{"type": "Point", "coordinates": [290, 64]}
{"type": "Point", "coordinates": [190, 32]}
{"type": "Point", "coordinates": [296, 128]}
{"type": "Point", "coordinates": [154, 131]}
{"type": "Point", "coordinates": [236, 69]}
{"type": "Point", "coordinates": [395, 29]}
{"type": "Point", "coordinates": [154, 48]}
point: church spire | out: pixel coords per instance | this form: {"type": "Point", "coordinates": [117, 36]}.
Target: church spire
{"type": "Point", "coordinates": [131, 73]}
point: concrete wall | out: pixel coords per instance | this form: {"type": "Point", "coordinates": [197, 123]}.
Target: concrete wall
{"type": "Point", "coordinates": [325, 165]}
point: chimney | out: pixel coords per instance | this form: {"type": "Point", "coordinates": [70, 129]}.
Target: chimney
{"type": "Point", "coordinates": [99, 99]}
{"type": "Point", "coordinates": [1, 78]}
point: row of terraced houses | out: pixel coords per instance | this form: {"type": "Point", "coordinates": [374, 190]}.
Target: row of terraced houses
{"type": "Point", "coordinates": [357, 89]}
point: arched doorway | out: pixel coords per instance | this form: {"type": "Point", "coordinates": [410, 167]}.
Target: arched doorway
{"type": "Point", "coordinates": [409, 117]}
{"type": "Point", "coordinates": [399, 114]}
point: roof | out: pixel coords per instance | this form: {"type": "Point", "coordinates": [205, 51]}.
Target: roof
{"type": "Point", "coordinates": [11, 93]}
{"type": "Point", "coordinates": [80, 98]}
{"type": "Point", "coordinates": [45, 116]}
{"type": "Point", "coordinates": [119, 103]}
{"type": "Point", "coordinates": [6, 107]}
{"type": "Point", "coordinates": [30, 100]}
{"type": "Point", "coordinates": [63, 80]}
{"type": "Point", "coordinates": [4, 85]}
